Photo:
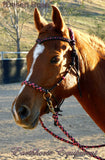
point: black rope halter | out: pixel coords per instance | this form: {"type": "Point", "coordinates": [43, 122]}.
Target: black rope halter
{"type": "Point", "coordinates": [73, 65]}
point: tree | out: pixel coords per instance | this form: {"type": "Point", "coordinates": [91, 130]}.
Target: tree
{"type": "Point", "coordinates": [10, 20]}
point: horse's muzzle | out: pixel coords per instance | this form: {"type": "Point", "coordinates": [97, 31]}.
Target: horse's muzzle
{"type": "Point", "coordinates": [24, 117]}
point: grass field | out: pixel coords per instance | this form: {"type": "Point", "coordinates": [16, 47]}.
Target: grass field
{"type": "Point", "coordinates": [87, 16]}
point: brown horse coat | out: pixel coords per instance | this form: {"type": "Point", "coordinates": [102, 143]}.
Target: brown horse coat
{"type": "Point", "coordinates": [29, 104]}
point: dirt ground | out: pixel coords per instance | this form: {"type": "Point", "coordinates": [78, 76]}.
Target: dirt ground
{"type": "Point", "coordinates": [17, 143]}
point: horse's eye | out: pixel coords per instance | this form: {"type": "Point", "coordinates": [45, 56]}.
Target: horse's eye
{"type": "Point", "coordinates": [55, 59]}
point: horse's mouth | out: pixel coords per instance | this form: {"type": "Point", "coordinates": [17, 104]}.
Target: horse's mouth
{"type": "Point", "coordinates": [36, 120]}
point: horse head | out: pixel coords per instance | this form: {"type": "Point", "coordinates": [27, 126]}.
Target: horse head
{"type": "Point", "coordinates": [47, 64]}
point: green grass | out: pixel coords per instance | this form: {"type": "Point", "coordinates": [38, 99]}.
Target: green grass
{"type": "Point", "coordinates": [88, 17]}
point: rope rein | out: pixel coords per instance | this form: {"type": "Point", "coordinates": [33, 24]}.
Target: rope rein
{"type": "Point", "coordinates": [72, 140]}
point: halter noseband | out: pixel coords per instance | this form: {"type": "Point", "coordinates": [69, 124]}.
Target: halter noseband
{"type": "Point", "coordinates": [47, 95]}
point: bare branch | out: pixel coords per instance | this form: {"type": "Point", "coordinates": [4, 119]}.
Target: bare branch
{"type": "Point", "coordinates": [8, 31]}
{"type": "Point", "coordinates": [12, 24]}
{"type": "Point", "coordinates": [6, 25]}
{"type": "Point", "coordinates": [21, 29]}
{"type": "Point", "coordinates": [5, 22]}
{"type": "Point", "coordinates": [11, 17]}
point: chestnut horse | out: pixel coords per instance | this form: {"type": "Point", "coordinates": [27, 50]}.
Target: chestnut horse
{"type": "Point", "coordinates": [47, 63]}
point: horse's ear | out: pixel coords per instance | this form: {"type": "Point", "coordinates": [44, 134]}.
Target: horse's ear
{"type": "Point", "coordinates": [57, 19]}
{"type": "Point", "coordinates": [40, 22]}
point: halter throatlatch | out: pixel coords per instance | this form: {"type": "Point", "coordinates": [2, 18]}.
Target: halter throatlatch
{"type": "Point", "coordinates": [75, 60]}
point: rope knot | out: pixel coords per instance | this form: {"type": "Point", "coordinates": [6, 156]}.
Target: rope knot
{"type": "Point", "coordinates": [55, 116]}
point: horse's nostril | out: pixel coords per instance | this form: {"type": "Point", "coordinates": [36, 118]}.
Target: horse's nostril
{"type": "Point", "coordinates": [23, 112]}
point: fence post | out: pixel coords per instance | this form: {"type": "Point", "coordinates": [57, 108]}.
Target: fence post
{"type": "Point", "coordinates": [1, 55]}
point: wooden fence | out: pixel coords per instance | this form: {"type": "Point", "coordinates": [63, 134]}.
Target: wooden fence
{"type": "Point", "coordinates": [14, 54]}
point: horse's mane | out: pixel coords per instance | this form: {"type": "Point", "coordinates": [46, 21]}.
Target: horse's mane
{"type": "Point", "coordinates": [95, 42]}
{"type": "Point", "coordinates": [98, 45]}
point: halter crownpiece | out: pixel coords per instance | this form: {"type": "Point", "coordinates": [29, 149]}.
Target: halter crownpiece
{"type": "Point", "coordinates": [71, 42]}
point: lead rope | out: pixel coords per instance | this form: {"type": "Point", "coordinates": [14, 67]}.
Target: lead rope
{"type": "Point", "coordinates": [72, 140]}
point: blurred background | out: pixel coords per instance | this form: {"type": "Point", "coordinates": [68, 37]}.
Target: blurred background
{"type": "Point", "coordinates": [17, 31]}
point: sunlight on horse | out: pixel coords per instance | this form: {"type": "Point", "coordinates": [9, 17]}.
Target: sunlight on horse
{"type": "Point", "coordinates": [47, 62]}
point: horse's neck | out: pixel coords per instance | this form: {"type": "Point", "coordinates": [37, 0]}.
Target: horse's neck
{"type": "Point", "coordinates": [92, 82]}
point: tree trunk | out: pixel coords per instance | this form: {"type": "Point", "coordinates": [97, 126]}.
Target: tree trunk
{"type": "Point", "coordinates": [18, 47]}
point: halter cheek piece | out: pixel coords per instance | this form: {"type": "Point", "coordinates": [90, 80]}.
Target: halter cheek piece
{"type": "Point", "coordinates": [47, 95]}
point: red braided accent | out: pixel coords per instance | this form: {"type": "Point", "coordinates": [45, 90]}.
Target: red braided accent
{"type": "Point", "coordinates": [53, 134]}
{"type": "Point", "coordinates": [72, 140]}
{"type": "Point", "coordinates": [70, 41]}
{"type": "Point", "coordinates": [33, 85]}
{"type": "Point", "coordinates": [72, 35]}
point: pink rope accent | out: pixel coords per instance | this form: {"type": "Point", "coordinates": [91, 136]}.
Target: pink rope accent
{"type": "Point", "coordinates": [33, 85]}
